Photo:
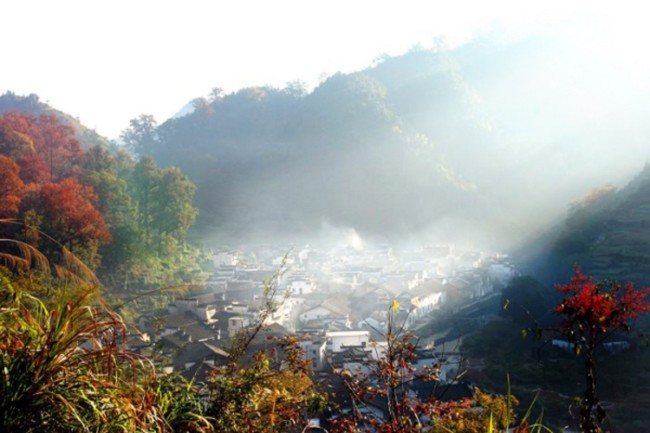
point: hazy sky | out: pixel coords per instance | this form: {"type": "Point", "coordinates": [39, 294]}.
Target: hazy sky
{"type": "Point", "coordinates": [109, 61]}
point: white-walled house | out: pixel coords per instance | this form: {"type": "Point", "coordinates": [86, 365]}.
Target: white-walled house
{"type": "Point", "coordinates": [340, 340]}
{"type": "Point", "coordinates": [236, 324]}
{"type": "Point", "coordinates": [314, 350]}
{"type": "Point", "coordinates": [301, 287]}
{"type": "Point", "coordinates": [324, 310]}
{"type": "Point", "coordinates": [423, 302]}
{"type": "Point", "coordinates": [237, 307]}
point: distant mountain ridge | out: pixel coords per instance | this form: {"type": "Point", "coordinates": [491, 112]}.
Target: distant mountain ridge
{"type": "Point", "coordinates": [348, 154]}
{"type": "Point", "coordinates": [272, 159]}
{"type": "Point", "coordinates": [9, 101]}
{"type": "Point", "coordinates": [485, 143]}
{"type": "Point", "coordinates": [470, 141]}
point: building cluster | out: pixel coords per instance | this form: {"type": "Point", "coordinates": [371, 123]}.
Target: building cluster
{"type": "Point", "coordinates": [336, 302]}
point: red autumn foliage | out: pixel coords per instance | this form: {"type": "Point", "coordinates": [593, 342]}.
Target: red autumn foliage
{"type": "Point", "coordinates": [70, 210]}
{"type": "Point", "coordinates": [14, 143]}
{"type": "Point", "coordinates": [54, 142]}
{"type": "Point", "coordinates": [33, 169]}
{"type": "Point", "coordinates": [601, 306]}
{"type": "Point", "coordinates": [11, 188]}
{"type": "Point", "coordinates": [20, 122]}
{"type": "Point", "coordinates": [591, 311]}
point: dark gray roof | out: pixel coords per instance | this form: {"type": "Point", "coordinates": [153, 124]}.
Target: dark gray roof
{"type": "Point", "coordinates": [173, 341]}
{"type": "Point", "coordinates": [442, 392]}
{"type": "Point", "coordinates": [198, 332]}
{"type": "Point", "coordinates": [199, 352]}
{"type": "Point", "coordinates": [176, 321]}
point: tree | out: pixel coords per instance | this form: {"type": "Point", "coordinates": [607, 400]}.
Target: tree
{"type": "Point", "coordinates": [143, 184]}
{"type": "Point", "coordinates": [11, 188]}
{"type": "Point", "coordinates": [296, 88]}
{"type": "Point", "coordinates": [263, 396]}
{"type": "Point", "coordinates": [71, 217]}
{"type": "Point", "coordinates": [57, 145]}
{"type": "Point", "coordinates": [63, 362]}
{"type": "Point", "coordinates": [141, 136]}
{"type": "Point", "coordinates": [591, 311]}
{"type": "Point", "coordinates": [34, 170]}
{"type": "Point", "coordinates": [99, 159]}
{"type": "Point", "coordinates": [116, 205]}
{"type": "Point", "coordinates": [216, 94]}
{"type": "Point", "coordinates": [173, 204]}
{"type": "Point", "coordinates": [53, 141]}
{"type": "Point", "coordinates": [388, 382]}
{"type": "Point", "coordinates": [13, 143]}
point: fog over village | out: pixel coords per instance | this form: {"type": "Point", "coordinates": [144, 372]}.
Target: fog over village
{"type": "Point", "coordinates": [269, 218]}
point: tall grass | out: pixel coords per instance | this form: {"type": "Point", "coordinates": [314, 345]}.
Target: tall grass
{"type": "Point", "coordinates": [64, 366]}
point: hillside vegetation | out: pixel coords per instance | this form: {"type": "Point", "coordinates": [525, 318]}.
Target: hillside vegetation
{"type": "Point", "coordinates": [125, 218]}
{"type": "Point", "coordinates": [448, 143]}
{"type": "Point", "coordinates": [606, 231]}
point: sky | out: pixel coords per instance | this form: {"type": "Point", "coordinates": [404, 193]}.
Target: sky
{"type": "Point", "coordinates": [107, 62]}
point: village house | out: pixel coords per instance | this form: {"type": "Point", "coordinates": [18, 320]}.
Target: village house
{"type": "Point", "coordinates": [426, 298]}
{"type": "Point", "coordinates": [314, 349]}
{"type": "Point", "coordinates": [300, 286]}
{"type": "Point", "coordinates": [225, 258]}
{"type": "Point", "coordinates": [203, 308]}
{"type": "Point", "coordinates": [326, 312]}
{"type": "Point", "coordinates": [341, 340]}
{"type": "Point", "coordinates": [199, 352]}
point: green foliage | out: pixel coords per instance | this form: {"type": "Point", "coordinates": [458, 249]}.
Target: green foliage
{"type": "Point", "coordinates": [141, 135]}
{"type": "Point", "coordinates": [149, 211]}
{"type": "Point", "coordinates": [98, 204]}
{"type": "Point", "coordinates": [63, 363]}
{"type": "Point", "coordinates": [258, 392]}
{"type": "Point", "coordinates": [62, 367]}
{"type": "Point", "coordinates": [263, 397]}
{"type": "Point", "coordinates": [504, 352]}
{"type": "Point", "coordinates": [182, 405]}
{"type": "Point", "coordinates": [245, 152]}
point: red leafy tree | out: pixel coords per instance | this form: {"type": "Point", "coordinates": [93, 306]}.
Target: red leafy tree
{"type": "Point", "coordinates": [592, 310]}
{"type": "Point", "coordinates": [387, 383]}
{"type": "Point", "coordinates": [53, 141]}
{"type": "Point", "coordinates": [11, 188]}
{"type": "Point", "coordinates": [34, 170]}
{"type": "Point", "coordinates": [58, 146]}
{"type": "Point", "coordinates": [70, 214]}
{"type": "Point", "coordinates": [12, 142]}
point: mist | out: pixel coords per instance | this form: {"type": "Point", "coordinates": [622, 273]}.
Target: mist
{"type": "Point", "coordinates": [359, 244]}
{"type": "Point", "coordinates": [485, 143]}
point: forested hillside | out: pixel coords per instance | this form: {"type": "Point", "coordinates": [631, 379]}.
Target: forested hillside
{"type": "Point", "coordinates": [448, 142]}
{"type": "Point", "coordinates": [125, 218]}
{"type": "Point", "coordinates": [10, 102]}
{"type": "Point", "coordinates": [606, 231]}
{"type": "Point", "coordinates": [281, 160]}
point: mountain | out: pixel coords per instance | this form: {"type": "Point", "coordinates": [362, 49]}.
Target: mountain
{"type": "Point", "coordinates": [269, 159]}
{"type": "Point", "coordinates": [607, 233]}
{"type": "Point", "coordinates": [488, 141]}
{"type": "Point", "coordinates": [31, 104]}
